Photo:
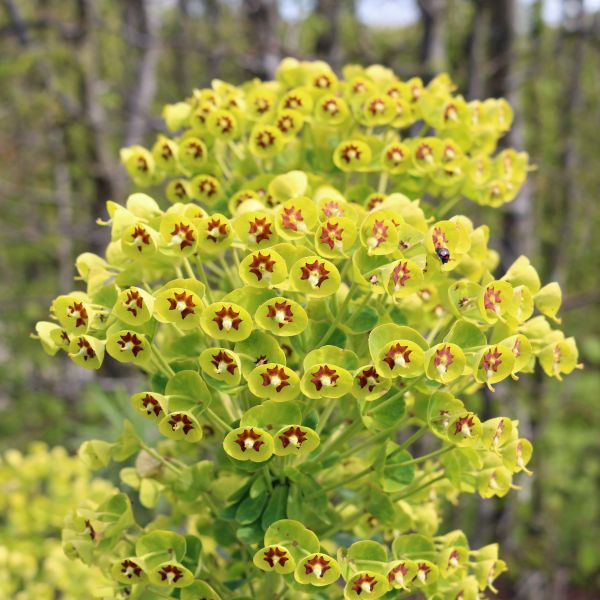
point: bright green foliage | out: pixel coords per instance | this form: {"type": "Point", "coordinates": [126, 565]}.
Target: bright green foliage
{"type": "Point", "coordinates": [306, 310]}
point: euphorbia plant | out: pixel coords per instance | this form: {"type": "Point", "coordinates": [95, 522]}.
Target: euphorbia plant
{"type": "Point", "coordinates": [312, 323]}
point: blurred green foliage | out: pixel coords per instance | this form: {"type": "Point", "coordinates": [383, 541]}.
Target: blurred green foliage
{"type": "Point", "coordinates": [69, 81]}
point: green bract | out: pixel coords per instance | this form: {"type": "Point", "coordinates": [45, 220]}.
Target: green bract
{"type": "Point", "coordinates": [306, 307]}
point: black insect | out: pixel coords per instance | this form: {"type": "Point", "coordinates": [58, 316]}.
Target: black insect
{"type": "Point", "coordinates": [443, 254]}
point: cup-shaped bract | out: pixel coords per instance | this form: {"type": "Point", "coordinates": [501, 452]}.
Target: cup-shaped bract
{"type": "Point", "coordinates": [221, 364]}
{"type": "Point", "coordinates": [317, 569]}
{"type": "Point", "coordinates": [445, 362]}
{"type": "Point", "coordinates": [150, 405]}
{"type": "Point", "coordinates": [263, 269]}
{"type": "Point", "coordinates": [129, 346]}
{"type": "Point", "coordinates": [366, 584]}
{"type": "Point", "coordinates": [171, 574]}
{"type": "Point", "coordinates": [274, 381]}
{"type": "Point", "coordinates": [178, 305]}
{"type": "Point", "coordinates": [134, 306]}
{"type": "Point", "coordinates": [281, 317]}
{"type": "Point", "coordinates": [249, 443]}
{"type": "Point", "coordinates": [226, 321]}
{"type": "Point", "coordinates": [275, 559]}
{"type": "Point", "coordinates": [315, 276]}
{"type": "Point", "coordinates": [181, 425]}
{"type": "Point", "coordinates": [295, 440]}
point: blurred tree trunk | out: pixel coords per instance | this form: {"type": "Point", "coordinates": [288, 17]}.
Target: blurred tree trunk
{"type": "Point", "coordinates": [474, 52]}
{"type": "Point", "coordinates": [327, 45]}
{"type": "Point", "coordinates": [140, 25]}
{"type": "Point", "coordinates": [263, 51]}
{"type": "Point", "coordinates": [432, 55]}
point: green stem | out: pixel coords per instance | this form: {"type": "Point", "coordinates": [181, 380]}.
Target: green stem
{"type": "Point", "coordinates": [213, 416]}
{"type": "Point", "coordinates": [392, 399]}
{"type": "Point", "coordinates": [334, 442]}
{"type": "Point", "coordinates": [374, 439]}
{"type": "Point", "coordinates": [402, 495]}
{"type": "Point", "coordinates": [420, 459]}
{"type": "Point", "coordinates": [339, 317]}
{"type": "Point", "coordinates": [383, 180]}
{"type": "Point", "coordinates": [338, 484]}
{"type": "Point", "coordinates": [324, 416]}
{"type": "Point", "coordinates": [447, 206]}
{"type": "Point", "coordinates": [162, 360]}
{"type": "Point", "coordinates": [160, 458]}
{"type": "Point", "coordinates": [204, 280]}
{"type": "Point", "coordinates": [188, 268]}
{"type": "Point", "coordinates": [413, 438]}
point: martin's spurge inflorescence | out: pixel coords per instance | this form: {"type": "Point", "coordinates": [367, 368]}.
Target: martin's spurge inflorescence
{"type": "Point", "coordinates": [311, 322]}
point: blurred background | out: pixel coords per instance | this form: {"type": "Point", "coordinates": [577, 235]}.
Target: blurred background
{"type": "Point", "coordinates": [81, 78]}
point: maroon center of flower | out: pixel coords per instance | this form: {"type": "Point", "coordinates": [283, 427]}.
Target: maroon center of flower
{"type": "Point", "coordinates": [151, 405]}
{"type": "Point", "coordinates": [380, 232]}
{"type": "Point", "coordinates": [179, 421]}
{"type": "Point", "coordinates": [443, 358]}
{"type": "Point", "coordinates": [453, 559]}
{"type": "Point", "coordinates": [195, 149]}
{"type": "Point", "coordinates": [376, 106]}
{"type": "Point", "coordinates": [398, 573]}
{"type": "Point", "coordinates": [331, 233]}
{"type": "Point", "coordinates": [424, 152]}
{"type": "Point", "coordinates": [281, 312]}
{"type": "Point", "coordinates": [225, 123]}
{"type": "Point", "coordinates": [261, 263]}
{"type": "Point", "coordinates": [294, 436]}
{"type": "Point", "coordinates": [261, 360]}
{"type": "Point", "coordinates": [517, 348]}
{"type": "Point", "coordinates": [375, 201]}
{"type": "Point", "coordinates": [333, 209]}
{"type": "Point", "coordinates": [227, 318]}
{"type": "Point", "coordinates": [262, 105]}
{"type": "Point", "coordinates": [315, 273]}
{"type": "Point", "coordinates": [130, 342]}
{"type": "Point", "coordinates": [183, 235]}
{"type": "Point", "coordinates": [91, 531]}
{"type": "Point", "coordinates": [207, 187]}
{"type": "Point", "coordinates": [64, 336]}
{"type": "Point", "coordinates": [491, 298]}
{"type": "Point", "coordinates": [322, 81]}
{"type": "Point", "coordinates": [557, 354]}
{"type": "Point", "coordinates": [397, 355]}
{"type": "Point", "coordinates": [324, 377]}
{"type": "Point", "coordinates": [364, 583]}
{"type": "Point", "coordinates": [464, 425]}
{"type": "Point", "coordinates": [265, 139]}
{"type": "Point", "coordinates": [400, 275]}
{"type": "Point", "coordinates": [249, 440]}
{"type": "Point", "coordinates": [171, 573]}
{"type": "Point", "coordinates": [369, 378]}
{"type": "Point", "coordinates": [439, 238]}
{"type": "Point", "coordinates": [260, 229]}
{"type": "Point", "coordinates": [293, 102]}
{"type": "Point", "coordinates": [395, 155]}
{"type": "Point", "coordinates": [78, 312]}
{"type": "Point", "coordinates": [133, 301]}
{"type": "Point", "coordinates": [450, 113]}
{"type": "Point", "coordinates": [183, 302]}
{"type": "Point", "coordinates": [273, 556]}
{"type": "Point", "coordinates": [129, 569]}
{"type": "Point", "coordinates": [498, 433]}
{"type": "Point", "coordinates": [359, 87]}
{"type": "Point", "coordinates": [393, 92]}
{"type": "Point", "coordinates": [86, 347]}
{"type": "Point", "coordinates": [491, 360]}
{"type": "Point", "coordinates": [142, 164]}
{"type": "Point", "coordinates": [166, 152]}
{"type": "Point", "coordinates": [350, 152]}
{"type": "Point", "coordinates": [318, 565]}
{"type": "Point", "coordinates": [275, 377]}
{"type": "Point", "coordinates": [331, 107]}
{"type": "Point", "coordinates": [223, 362]}
{"type": "Point", "coordinates": [285, 123]}
{"type": "Point", "coordinates": [422, 571]}
{"type": "Point", "coordinates": [290, 218]}
{"type": "Point", "coordinates": [216, 230]}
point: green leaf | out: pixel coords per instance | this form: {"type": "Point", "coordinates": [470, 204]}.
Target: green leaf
{"type": "Point", "coordinates": [276, 507]}
{"type": "Point", "coordinates": [413, 546]}
{"type": "Point", "coordinates": [466, 335]}
{"type": "Point", "coordinates": [127, 444]}
{"type": "Point", "coordinates": [367, 550]}
{"type": "Point", "coordinates": [250, 509]}
{"type": "Point", "coordinates": [190, 391]}
{"type": "Point", "coordinates": [362, 320]}
{"type": "Point", "coordinates": [158, 544]}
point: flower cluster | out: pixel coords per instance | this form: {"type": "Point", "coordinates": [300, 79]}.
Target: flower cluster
{"type": "Point", "coordinates": [305, 318]}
